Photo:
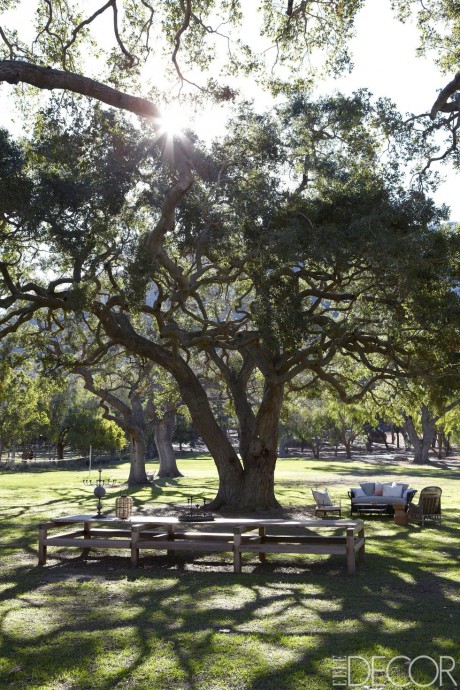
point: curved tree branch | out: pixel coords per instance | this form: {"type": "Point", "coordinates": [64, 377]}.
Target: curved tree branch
{"type": "Point", "coordinates": [441, 101]}
{"type": "Point", "coordinates": [17, 71]}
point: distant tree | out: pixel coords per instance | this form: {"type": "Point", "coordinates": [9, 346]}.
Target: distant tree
{"type": "Point", "coordinates": [87, 429]}
{"type": "Point", "coordinates": [21, 415]}
{"type": "Point", "coordinates": [136, 398]}
{"type": "Point", "coordinates": [424, 407]}
{"type": "Point", "coordinates": [348, 422]}
{"type": "Point", "coordinates": [309, 421]}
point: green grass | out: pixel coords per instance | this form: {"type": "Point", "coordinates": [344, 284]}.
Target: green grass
{"type": "Point", "coordinates": [191, 624]}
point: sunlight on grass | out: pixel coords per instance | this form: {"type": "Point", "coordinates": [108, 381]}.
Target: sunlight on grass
{"type": "Point", "coordinates": [190, 623]}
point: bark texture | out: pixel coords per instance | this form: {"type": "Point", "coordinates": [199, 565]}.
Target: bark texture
{"type": "Point", "coordinates": [164, 431]}
{"type": "Point", "coordinates": [423, 443]}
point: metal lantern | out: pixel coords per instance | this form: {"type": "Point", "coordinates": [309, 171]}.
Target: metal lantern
{"type": "Point", "coordinates": [123, 506]}
{"type": "Point", "coordinates": [99, 492]}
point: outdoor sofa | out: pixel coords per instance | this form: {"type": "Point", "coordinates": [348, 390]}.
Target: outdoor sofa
{"type": "Point", "coordinates": [380, 497]}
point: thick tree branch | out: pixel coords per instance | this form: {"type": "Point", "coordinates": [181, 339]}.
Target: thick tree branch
{"type": "Point", "coordinates": [101, 393]}
{"type": "Point", "coordinates": [17, 71]}
{"type": "Point", "coordinates": [441, 101]}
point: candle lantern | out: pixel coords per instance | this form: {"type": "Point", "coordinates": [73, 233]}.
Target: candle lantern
{"type": "Point", "coordinates": [123, 506]}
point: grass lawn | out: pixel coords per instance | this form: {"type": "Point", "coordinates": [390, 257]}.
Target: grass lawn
{"type": "Point", "coordinates": [192, 624]}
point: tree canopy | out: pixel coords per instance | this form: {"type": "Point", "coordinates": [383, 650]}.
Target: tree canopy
{"type": "Point", "coordinates": [282, 255]}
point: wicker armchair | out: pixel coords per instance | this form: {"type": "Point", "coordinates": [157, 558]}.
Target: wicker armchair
{"type": "Point", "coordinates": [428, 506]}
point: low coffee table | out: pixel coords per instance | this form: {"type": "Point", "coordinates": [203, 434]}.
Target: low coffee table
{"type": "Point", "coordinates": [374, 508]}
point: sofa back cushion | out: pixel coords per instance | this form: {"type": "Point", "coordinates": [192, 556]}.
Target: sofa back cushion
{"type": "Point", "coordinates": [394, 490]}
{"type": "Point", "coordinates": [368, 488]}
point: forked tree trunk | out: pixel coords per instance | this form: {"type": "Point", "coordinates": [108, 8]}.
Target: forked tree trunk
{"type": "Point", "coordinates": [421, 445]}
{"type": "Point", "coordinates": [137, 473]}
{"type": "Point", "coordinates": [440, 440]}
{"type": "Point", "coordinates": [243, 485]}
{"type": "Point", "coordinates": [12, 455]}
{"type": "Point", "coordinates": [164, 431]}
{"type": "Point", "coordinates": [259, 451]}
{"type": "Point", "coordinates": [316, 448]}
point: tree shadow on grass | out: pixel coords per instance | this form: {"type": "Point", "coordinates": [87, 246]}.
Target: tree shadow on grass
{"type": "Point", "coordinates": [189, 623]}
{"type": "Point", "coordinates": [431, 471]}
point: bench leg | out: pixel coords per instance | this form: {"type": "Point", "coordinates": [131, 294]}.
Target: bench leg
{"type": "Point", "coordinates": [262, 555]}
{"type": "Point", "coordinates": [361, 552]}
{"type": "Point", "coordinates": [351, 561]}
{"type": "Point", "coordinates": [42, 535]}
{"type": "Point", "coordinates": [86, 535]}
{"type": "Point", "coordinates": [236, 551]}
{"type": "Point", "coordinates": [134, 548]}
{"type": "Point", "coordinates": [171, 538]}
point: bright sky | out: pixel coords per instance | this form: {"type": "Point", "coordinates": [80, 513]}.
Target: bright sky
{"type": "Point", "coordinates": [385, 62]}
{"type": "Point", "coordinates": [384, 55]}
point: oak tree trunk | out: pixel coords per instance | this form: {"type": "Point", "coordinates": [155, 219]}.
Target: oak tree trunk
{"type": "Point", "coordinates": [246, 484]}
{"type": "Point", "coordinates": [12, 455]}
{"type": "Point", "coordinates": [164, 431]}
{"type": "Point", "coordinates": [137, 473]}
{"type": "Point", "coordinates": [421, 445]}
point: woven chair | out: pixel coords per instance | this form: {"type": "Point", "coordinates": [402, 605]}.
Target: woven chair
{"type": "Point", "coordinates": [325, 505]}
{"type": "Point", "coordinates": [428, 506]}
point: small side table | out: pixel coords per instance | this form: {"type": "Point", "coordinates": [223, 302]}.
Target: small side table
{"type": "Point", "coordinates": [401, 514]}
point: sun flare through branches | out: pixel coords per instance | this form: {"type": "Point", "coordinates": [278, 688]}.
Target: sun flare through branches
{"type": "Point", "coordinates": [173, 122]}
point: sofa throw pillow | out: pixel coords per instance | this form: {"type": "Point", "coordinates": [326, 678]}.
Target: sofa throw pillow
{"type": "Point", "coordinates": [368, 488]}
{"type": "Point", "coordinates": [400, 486]}
{"type": "Point", "coordinates": [358, 493]}
{"type": "Point", "coordinates": [322, 498]}
{"type": "Point", "coordinates": [378, 491]}
{"type": "Point", "coordinates": [393, 490]}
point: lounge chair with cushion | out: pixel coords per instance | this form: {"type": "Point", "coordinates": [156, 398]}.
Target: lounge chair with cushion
{"type": "Point", "coordinates": [428, 506]}
{"type": "Point", "coordinates": [324, 504]}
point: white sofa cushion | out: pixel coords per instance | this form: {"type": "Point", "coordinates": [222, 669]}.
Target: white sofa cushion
{"type": "Point", "coordinates": [393, 490]}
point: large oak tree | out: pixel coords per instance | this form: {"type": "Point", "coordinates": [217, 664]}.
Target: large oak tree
{"type": "Point", "coordinates": [289, 247]}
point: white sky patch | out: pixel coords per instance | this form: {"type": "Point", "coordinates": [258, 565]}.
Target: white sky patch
{"type": "Point", "coordinates": [385, 62]}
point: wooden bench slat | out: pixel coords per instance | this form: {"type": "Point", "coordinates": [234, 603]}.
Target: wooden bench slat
{"type": "Point", "coordinates": [294, 548]}
{"type": "Point", "coordinates": [88, 543]}
{"type": "Point", "coordinates": [186, 545]}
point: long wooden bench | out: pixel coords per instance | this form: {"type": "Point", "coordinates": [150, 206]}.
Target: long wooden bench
{"type": "Point", "coordinates": [234, 535]}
